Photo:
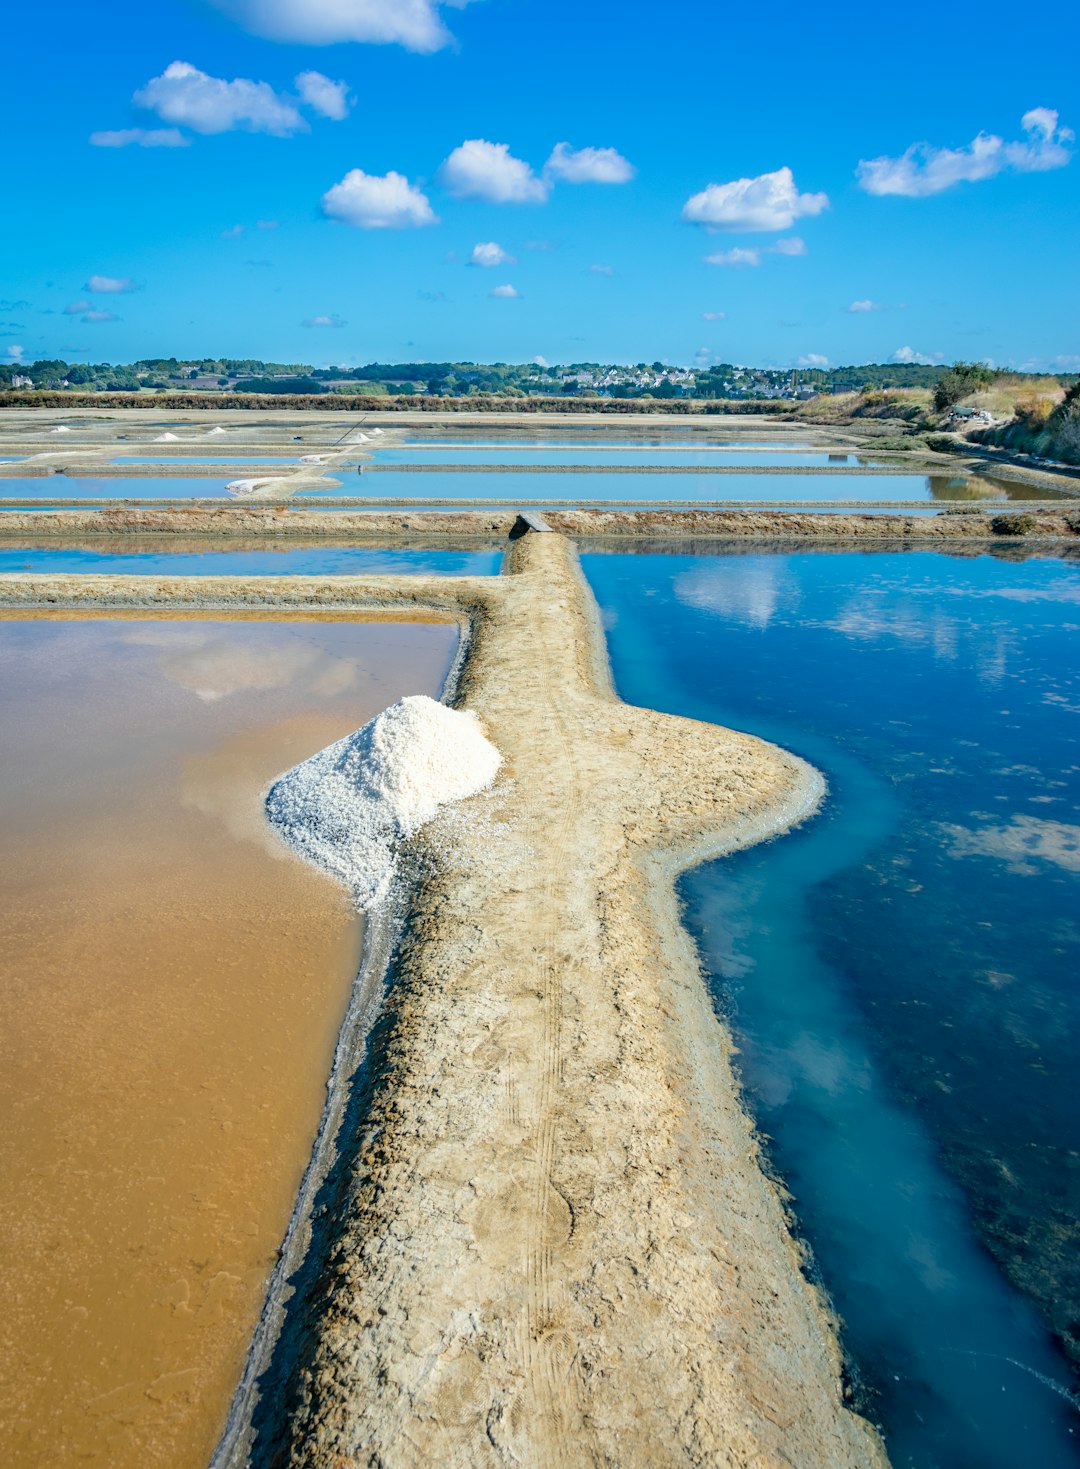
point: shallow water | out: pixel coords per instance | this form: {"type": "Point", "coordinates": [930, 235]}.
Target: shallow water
{"type": "Point", "coordinates": [297, 561]}
{"type": "Point", "coordinates": [650, 488]}
{"type": "Point", "coordinates": [199, 459]}
{"type": "Point", "coordinates": [68, 487]}
{"type": "Point", "coordinates": [637, 458]}
{"type": "Point", "coordinates": [900, 973]}
{"type": "Point", "coordinates": [171, 983]}
{"type": "Point", "coordinates": [553, 439]}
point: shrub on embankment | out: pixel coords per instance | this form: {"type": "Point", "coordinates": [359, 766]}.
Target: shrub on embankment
{"type": "Point", "coordinates": [1048, 431]}
{"type": "Point", "coordinates": [361, 403]}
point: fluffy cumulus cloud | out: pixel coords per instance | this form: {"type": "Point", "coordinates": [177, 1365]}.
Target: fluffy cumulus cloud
{"type": "Point", "coordinates": [857, 308]}
{"type": "Point", "coordinates": [588, 165]}
{"type": "Point", "coordinates": [333, 320]}
{"type": "Point", "coordinates": [769, 202]}
{"type": "Point", "coordinates": [736, 257]}
{"type": "Point", "coordinates": [812, 359]}
{"type": "Point", "coordinates": [482, 170]}
{"type": "Point", "coordinates": [791, 246]}
{"type": "Point", "coordinates": [187, 97]}
{"type": "Point", "coordinates": [504, 293]}
{"type": "Point", "coordinates": [139, 138]}
{"type": "Point", "coordinates": [488, 254]}
{"type": "Point", "coordinates": [327, 98]}
{"type": "Point", "coordinates": [909, 354]}
{"type": "Point", "coordinates": [922, 169]}
{"type": "Point", "coordinates": [110, 285]}
{"type": "Point", "coordinates": [415, 24]}
{"type": "Point", "coordinates": [378, 202]}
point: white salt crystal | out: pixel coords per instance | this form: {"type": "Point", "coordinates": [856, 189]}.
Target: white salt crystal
{"type": "Point", "coordinates": [349, 807]}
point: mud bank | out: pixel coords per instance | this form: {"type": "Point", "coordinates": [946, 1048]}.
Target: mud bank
{"type": "Point", "coordinates": [281, 522]}
{"type": "Point", "coordinates": [551, 1241]}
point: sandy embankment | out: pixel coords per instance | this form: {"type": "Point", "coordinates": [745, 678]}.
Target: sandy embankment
{"type": "Point", "coordinates": [553, 1243]}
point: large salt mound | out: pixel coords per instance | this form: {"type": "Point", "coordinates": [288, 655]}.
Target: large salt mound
{"type": "Point", "coordinates": [349, 807]}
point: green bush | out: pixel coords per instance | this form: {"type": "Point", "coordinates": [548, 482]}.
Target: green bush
{"type": "Point", "coordinates": [1013, 525]}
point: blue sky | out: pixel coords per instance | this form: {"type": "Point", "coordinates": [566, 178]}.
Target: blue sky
{"type": "Point", "coordinates": [260, 218]}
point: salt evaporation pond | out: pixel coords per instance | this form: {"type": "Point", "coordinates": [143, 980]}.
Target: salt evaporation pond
{"type": "Point", "coordinates": [634, 458]}
{"type": "Point", "coordinates": [208, 459]}
{"type": "Point", "coordinates": [296, 561]}
{"type": "Point", "coordinates": [172, 983]}
{"type": "Point", "coordinates": [452, 439]}
{"type": "Point", "coordinates": [69, 487]}
{"type": "Point", "coordinates": [900, 973]}
{"type": "Point", "coordinates": [652, 488]}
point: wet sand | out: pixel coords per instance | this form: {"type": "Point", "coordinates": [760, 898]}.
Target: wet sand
{"type": "Point", "coordinates": [172, 983]}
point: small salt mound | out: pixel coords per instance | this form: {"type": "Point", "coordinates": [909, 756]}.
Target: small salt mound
{"type": "Point", "coordinates": [239, 487]}
{"type": "Point", "coordinates": [349, 807]}
{"type": "Point", "coordinates": [167, 439]}
{"type": "Point", "coordinates": [360, 438]}
{"type": "Point", "coordinates": [213, 431]}
{"type": "Point", "coordinates": [312, 458]}
{"type": "Point", "coordinates": [61, 430]}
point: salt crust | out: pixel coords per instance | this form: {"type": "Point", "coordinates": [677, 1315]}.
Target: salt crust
{"type": "Point", "coordinates": [349, 808]}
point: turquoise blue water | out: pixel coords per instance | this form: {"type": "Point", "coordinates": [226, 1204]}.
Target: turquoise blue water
{"type": "Point", "coordinates": [306, 561]}
{"type": "Point", "coordinates": [901, 972]}
{"type": "Point", "coordinates": [649, 488]}
{"type": "Point", "coordinates": [209, 459]}
{"type": "Point", "coordinates": [554, 440]}
{"type": "Point", "coordinates": [634, 457]}
{"type": "Point", "coordinates": [65, 487]}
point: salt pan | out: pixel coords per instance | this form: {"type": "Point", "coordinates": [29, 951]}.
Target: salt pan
{"type": "Point", "coordinates": [349, 808]}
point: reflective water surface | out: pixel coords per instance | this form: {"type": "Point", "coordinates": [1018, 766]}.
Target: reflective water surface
{"type": "Point", "coordinates": [292, 561]}
{"type": "Point", "coordinates": [901, 972]}
{"type": "Point", "coordinates": [171, 982]}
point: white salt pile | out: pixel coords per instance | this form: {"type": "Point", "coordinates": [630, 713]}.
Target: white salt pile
{"type": "Point", "coordinates": [167, 439]}
{"type": "Point", "coordinates": [312, 458]}
{"type": "Point", "coordinates": [239, 487]}
{"type": "Point", "coordinates": [213, 431]}
{"type": "Point", "coordinates": [349, 807]}
{"type": "Point", "coordinates": [61, 430]}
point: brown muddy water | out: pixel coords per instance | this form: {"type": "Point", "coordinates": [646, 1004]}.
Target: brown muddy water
{"type": "Point", "coordinates": [171, 982]}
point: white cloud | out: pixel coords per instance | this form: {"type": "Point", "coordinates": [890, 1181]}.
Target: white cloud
{"type": "Point", "coordinates": [812, 359]}
{"type": "Point", "coordinates": [602, 269]}
{"type": "Point", "coordinates": [378, 202]}
{"type": "Point", "coordinates": [541, 361]}
{"type": "Point", "coordinates": [189, 97]}
{"type": "Point", "coordinates": [327, 98]}
{"type": "Point", "coordinates": [15, 352]}
{"type": "Point", "coordinates": [714, 316]}
{"type": "Point", "coordinates": [110, 285]}
{"type": "Point", "coordinates": [791, 246]}
{"type": "Point", "coordinates": [333, 320]}
{"type": "Point", "coordinates": [738, 256]}
{"type": "Point", "coordinates": [415, 24]}
{"type": "Point", "coordinates": [922, 169]}
{"type": "Point", "coordinates": [588, 165]}
{"type": "Point", "coordinates": [908, 354]}
{"type": "Point", "coordinates": [504, 293]}
{"type": "Point", "coordinates": [858, 307]}
{"type": "Point", "coordinates": [233, 233]}
{"type": "Point", "coordinates": [769, 202]}
{"type": "Point", "coordinates": [489, 254]}
{"type": "Point", "coordinates": [139, 138]}
{"type": "Point", "coordinates": [482, 170]}
{"type": "Point", "coordinates": [85, 312]}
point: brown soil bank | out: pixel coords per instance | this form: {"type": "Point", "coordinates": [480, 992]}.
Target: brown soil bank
{"type": "Point", "coordinates": [551, 1242]}
{"type": "Point", "coordinates": [282, 522]}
